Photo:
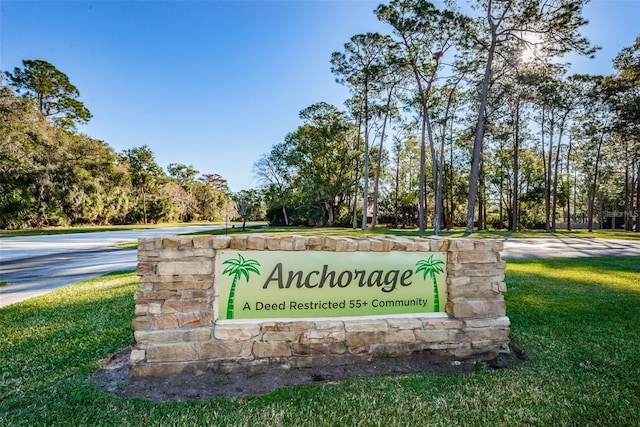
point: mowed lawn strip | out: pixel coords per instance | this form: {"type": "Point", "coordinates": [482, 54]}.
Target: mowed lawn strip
{"type": "Point", "coordinates": [44, 231]}
{"type": "Point", "coordinates": [456, 233]}
{"type": "Point", "coordinates": [577, 319]}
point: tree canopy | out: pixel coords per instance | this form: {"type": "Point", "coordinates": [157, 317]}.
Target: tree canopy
{"type": "Point", "coordinates": [487, 126]}
{"type": "Point", "coordinates": [52, 176]}
{"type": "Point", "coordinates": [56, 97]}
{"type": "Point", "coordinates": [470, 121]}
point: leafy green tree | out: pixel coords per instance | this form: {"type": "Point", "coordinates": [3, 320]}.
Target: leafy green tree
{"type": "Point", "coordinates": [55, 95]}
{"type": "Point", "coordinates": [571, 98]}
{"type": "Point", "coordinates": [623, 97]}
{"type": "Point", "coordinates": [50, 176]}
{"type": "Point", "coordinates": [21, 157]}
{"type": "Point", "coordinates": [161, 209]}
{"type": "Point", "coordinates": [183, 174]}
{"type": "Point", "coordinates": [144, 172]}
{"type": "Point", "coordinates": [596, 127]}
{"type": "Point", "coordinates": [181, 190]}
{"type": "Point", "coordinates": [512, 99]}
{"type": "Point", "coordinates": [238, 268]}
{"type": "Point", "coordinates": [275, 176]}
{"type": "Point", "coordinates": [322, 157]}
{"type": "Point", "coordinates": [362, 65]}
{"type": "Point", "coordinates": [556, 100]}
{"type": "Point", "coordinates": [547, 28]}
{"type": "Point", "coordinates": [406, 155]}
{"type": "Point", "coordinates": [216, 181]}
{"type": "Point", "coordinates": [426, 34]}
{"type": "Point", "coordinates": [211, 203]}
{"type": "Point", "coordinates": [250, 205]}
{"type": "Point", "coordinates": [181, 200]}
{"type": "Point", "coordinates": [94, 187]}
{"type": "Point", "coordinates": [394, 76]}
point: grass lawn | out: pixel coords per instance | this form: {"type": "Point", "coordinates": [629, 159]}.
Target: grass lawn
{"type": "Point", "coordinates": [492, 234]}
{"type": "Point", "coordinates": [335, 231]}
{"type": "Point", "coordinates": [578, 320]}
{"type": "Point", "coordinates": [90, 229]}
{"type": "Point", "coordinates": [384, 231]}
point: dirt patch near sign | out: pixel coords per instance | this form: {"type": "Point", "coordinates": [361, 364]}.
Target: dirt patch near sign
{"type": "Point", "coordinates": [113, 376]}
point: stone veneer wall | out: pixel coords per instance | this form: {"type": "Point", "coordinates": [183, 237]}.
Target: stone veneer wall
{"type": "Point", "coordinates": [176, 330]}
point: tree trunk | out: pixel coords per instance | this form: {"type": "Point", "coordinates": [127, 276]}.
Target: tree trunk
{"type": "Point", "coordinates": [568, 180]}
{"type": "Point", "coordinates": [397, 189]}
{"type": "Point", "coordinates": [500, 207]}
{"type": "Point", "coordinates": [555, 177]}
{"type": "Point", "coordinates": [589, 208]}
{"type": "Point", "coordinates": [440, 189]}
{"type": "Point", "coordinates": [575, 194]}
{"type": "Point", "coordinates": [356, 181]}
{"type": "Point", "coordinates": [592, 190]}
{"type": "Point", "coordinates": [614, 210]}
{"type": "Point", "coordinates": [637, 210]}
{"type": "Point", "coordinates": [547, 177]}
{"type": "Point", "coordinates": [439, 182]}
{"type": "Point", "coordinates": [423, 154]}
{"type": "Point", "coordinates": [437, 188]}
{"type": "Point", "coordinates": [355, 206]}
{"type": "Point", "coordinates": [144, 206]}
{"type": "Point", "coordinates": [421, 189]}
{"type": "Point", "coordinates": [365, 196]}
{"type": "Point", "coordinates": [479, 137]}
{"type": "Point", "coordinates": [601, 214]}
{"type": "Point", "coordinates": [484, 206]}
{"type": "Point", "coordinates": [516, 171]}
{"type": "Point", "coordinates": [376, 188]}
{"type": "Point", "coordinates": [627, 197]}
{"type": "Point", "coordinates": [451, 221]}
{"type": "Point", "coordinates": [329, 210]}
{"type": "Point", "coordinates": [482, 209]}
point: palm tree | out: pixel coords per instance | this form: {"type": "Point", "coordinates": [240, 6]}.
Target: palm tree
{"type": "Point", "coordinates": [431, 267]}
{"type": "Point", "coordinates": [237, 268]}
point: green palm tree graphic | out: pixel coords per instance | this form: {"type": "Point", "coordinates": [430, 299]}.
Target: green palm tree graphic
{"type": "Point", "coordinates": [431, 267]}
{"type": "Point", "coordinates": [237, 268]}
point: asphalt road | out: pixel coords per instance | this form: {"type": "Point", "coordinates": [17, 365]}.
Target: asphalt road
{"type": "Point", "coordinates": [35, 265]}
{"type": "Point", "coordinates": [569, 247]}
{"type": "Point", "coordinates": [38, 264]}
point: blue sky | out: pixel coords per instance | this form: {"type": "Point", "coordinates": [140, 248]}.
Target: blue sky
{"type": "Point", "coordinates": [215, 84]}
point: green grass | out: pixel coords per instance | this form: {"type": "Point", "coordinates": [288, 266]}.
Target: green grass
{"type": "Point", "coordinates": [492, 234]}
{"type": "Point", "coordinates": [129, 244]}
{"type": "Point", "coordinates": [90, 229]}
{"type": "Point", "coordinates": [578, 320]}
{"type": "Point", "coordinates": [336, 231]}
{"type": "Point", "coordinates": [3, 283]}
